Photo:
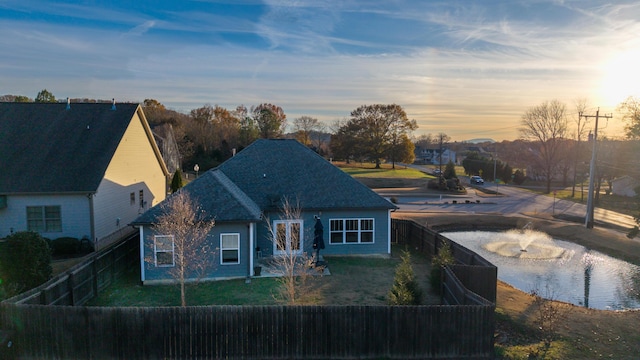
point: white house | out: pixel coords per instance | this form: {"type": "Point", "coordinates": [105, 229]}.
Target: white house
{"type": "Point", "coordinates": [433, 156]}
{"type": "Point", "coordinates": [82, 170]}
{"type": "Point", "coordinates": [624, 186]}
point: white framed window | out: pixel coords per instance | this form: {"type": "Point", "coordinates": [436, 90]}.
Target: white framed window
{"type": "Point", "coordinates": [288, 236]}
{"type": "Point", "coordinates": [351, 231]}
{"type": "Point", "coordinates": [44, 218]}
{"type": "Point", "coordinates": [229, 249]}
{"type": "Point", "coordinates": [164, 251]}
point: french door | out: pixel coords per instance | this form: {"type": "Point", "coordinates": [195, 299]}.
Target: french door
{"type": "Point", "coordinates": [288, 237]}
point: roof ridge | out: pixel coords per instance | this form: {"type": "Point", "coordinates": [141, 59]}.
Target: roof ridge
{"type": "Point", "coordinates": [236, 192]}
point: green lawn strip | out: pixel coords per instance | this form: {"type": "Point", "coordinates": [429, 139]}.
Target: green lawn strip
{"type": "Point", "coordinates": [398, 173]}
{"type": "Point", "coordinates": [622, 204]}
{"type": "Point", "coordinates": [127, 290]}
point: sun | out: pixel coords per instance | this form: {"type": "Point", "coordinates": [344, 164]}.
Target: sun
{"type": "Point", "coordinates": [621, 77]}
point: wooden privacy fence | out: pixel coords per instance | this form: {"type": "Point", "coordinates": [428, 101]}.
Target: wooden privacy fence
{"type": "Point", "coordinates": [40, 327]}
{"type": "Point", "coordinates": [475, 274]}
{"type": "Point", "coordinates": [251, 332]}
{"type": "Point", "coordinates": [84, 281]}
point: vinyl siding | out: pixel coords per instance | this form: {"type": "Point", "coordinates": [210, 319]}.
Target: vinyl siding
{"type": "Point", "coordinates": [133, 168]}
{"type": "Point", "coordinates": [74, 211]}
{"type": "Point", "coordinates": [380, 244]}
{"type": "Point", "coordinates": [215, 270]}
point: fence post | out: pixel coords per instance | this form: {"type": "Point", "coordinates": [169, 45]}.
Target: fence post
{"type": "Point", "coordinates": [94, 275]}
{"type": "Point", "coordinates": [70, 285]}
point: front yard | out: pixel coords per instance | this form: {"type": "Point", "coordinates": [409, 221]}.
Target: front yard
{"type": "Point", "coordinates": [353, 281]}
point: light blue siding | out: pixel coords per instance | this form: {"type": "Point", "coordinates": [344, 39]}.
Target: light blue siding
{"type": "Point", "coordinates": [380, 244]}
{"type": "Point", "coordinates": [215, 270]}
{"type": "Point", "coordinates": [74, 211]}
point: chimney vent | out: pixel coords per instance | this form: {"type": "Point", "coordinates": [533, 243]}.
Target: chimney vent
{"type": "Point", "coordinates": [113, 105]}
{"type": "Point", "coordinates": [68, 104]}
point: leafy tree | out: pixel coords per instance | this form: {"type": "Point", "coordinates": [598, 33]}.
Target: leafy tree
{"type": "Point", "coordinates": [271, 120]}
{"type": "Point", "coordinates": [473, 163]}
{"type": "Point", "coordinates": [44, 96]}
{"type": "Point", "coordinates": [442, 259]}
{"type": "Point", "coordinates": [177, 181]}
{"type": "Point", "coordinates": [630, 108]}
{"type": "Point", "coordinates": [450, 171]}
{"type": "Point", "coordinates": [375, 129]}
{"type": "Point", "coordinates": [519, 177]}
{"type": "Point", "coordinates": [14, 98]}
{"type": "Point", "coordinates": [190, 227]}
{"type": "Point", "coordinates": [25, 262]}
{"type": "Point", "coordinates": [546, 126]}
{"type": "Point", "coordinates": [248, 131]}
{"type": "Point", "coordinates": [405, 289]}
{"type": "Point", "coordinates": [403, 151]}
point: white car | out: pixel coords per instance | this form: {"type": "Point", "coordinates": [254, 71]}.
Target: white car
{"type": "Point", "coordinates": [476, 180]}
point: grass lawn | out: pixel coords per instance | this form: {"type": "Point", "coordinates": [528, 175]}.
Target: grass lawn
{"type": "Point", "coordinates": [353, 281]}
{"type": "Point", "coordinates": [366, 170]}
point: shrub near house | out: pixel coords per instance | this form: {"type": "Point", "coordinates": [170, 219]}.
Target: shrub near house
{"type": "Point", "coordinates": [25, 262]}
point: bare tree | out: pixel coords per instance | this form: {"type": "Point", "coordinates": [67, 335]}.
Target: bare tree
{"type": "Point", "coordinates": [303, 126]}
{"type": "Point", "coordinates": [581, 125]}
{"type": "Point", "coordinates": [546, 125]}
{"type": "Point", "coordinates": [290, 262]}
{"type": "Point", "coordinates": [186, 228]}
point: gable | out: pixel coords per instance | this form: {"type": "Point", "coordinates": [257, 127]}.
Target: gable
{"type": "Point", "coordinates": [52, 148]}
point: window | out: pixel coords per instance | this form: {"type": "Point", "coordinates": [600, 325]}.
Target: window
{"type": "Point", "coordinates": [230, 248]}
{"type": "Point", "coordinates": [44, 218]}
{"type": "Point", "coordinates": [351, 231]}
{"type": "Point", "coordinates": [288, 236]}
{"type": "Point", "coordinates": [163, 250]}
{"type": "Point", "coordinates": [141, 196]}
{"type": "Point", "coordinates": [132, 198]}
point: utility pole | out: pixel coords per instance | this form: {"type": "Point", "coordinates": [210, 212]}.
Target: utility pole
{"type": "Point", "coordinates": [588, 222]}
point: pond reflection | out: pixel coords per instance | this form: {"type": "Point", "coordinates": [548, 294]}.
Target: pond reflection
{"type": "Point", "coordinates": [564, 271]}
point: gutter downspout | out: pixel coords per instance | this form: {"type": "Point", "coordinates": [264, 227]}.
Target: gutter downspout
{"type": "Point", "coordinates": [251, 248]}
{"type": "Point", "coordinates": [389, 232]}
{"type": "Point", "coordinates": [92, 224]}
{"type": "Point", "coordinates": [142, 263]}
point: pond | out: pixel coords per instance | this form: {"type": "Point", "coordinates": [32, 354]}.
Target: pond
{"type": "Point", "coordinates": [555, 269]}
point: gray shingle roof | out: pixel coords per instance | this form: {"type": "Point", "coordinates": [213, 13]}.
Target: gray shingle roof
{"type": "Point", "coordinates": [47, 148]}
{"type": "Point", "coordinates": [261, 175]}
{"type": "Point", "coordinates": [269, 170]}
{"type": "Point", "coordinates": [214, 193]}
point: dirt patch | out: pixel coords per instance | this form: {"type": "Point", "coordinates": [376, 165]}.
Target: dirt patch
{"type": "Point", "coordinates": [585, 333]}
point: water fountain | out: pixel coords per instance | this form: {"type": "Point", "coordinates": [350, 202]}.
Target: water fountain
{"type": "Point", "coordinates": [531, 260]}
{"type": "Point", "coordinates": [526, 244]}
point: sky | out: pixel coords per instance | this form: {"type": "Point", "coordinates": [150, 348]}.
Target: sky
{"type": "Point", "coordinates": [469, 69]}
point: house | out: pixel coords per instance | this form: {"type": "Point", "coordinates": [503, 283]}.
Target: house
{"type": "Point", "coordinates": [82, 170]}
{"type": "Point", "coordinates": [432, 156]}
{"type": "Point", "coordinates": [245, 195]}
{"type": "Point", "coordinates": [624, 186]}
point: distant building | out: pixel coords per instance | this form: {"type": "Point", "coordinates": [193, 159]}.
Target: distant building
{"type": "Point", "coordinates": [433, 156]}
{"type": "Point", "coordinates": [624, 186]}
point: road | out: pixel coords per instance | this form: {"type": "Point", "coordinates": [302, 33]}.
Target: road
{"type": "Point", "coordinates": [510, 200]}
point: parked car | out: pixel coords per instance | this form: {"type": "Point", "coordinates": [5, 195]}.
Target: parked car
{"type": "Point", "coordinates": [477, 180]}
